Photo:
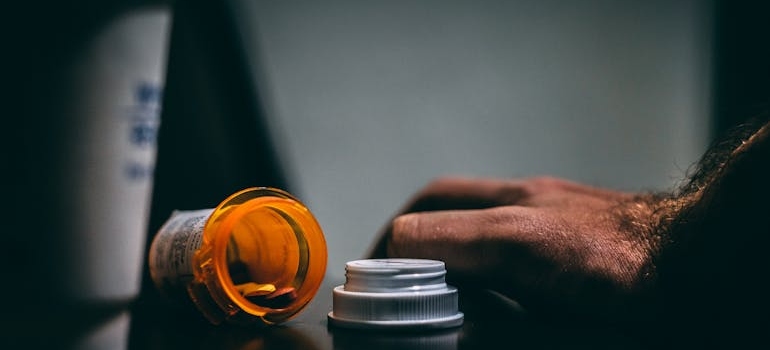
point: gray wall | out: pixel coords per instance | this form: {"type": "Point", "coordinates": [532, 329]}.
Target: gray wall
{"type": "Point", "coordinates": [372, 99]}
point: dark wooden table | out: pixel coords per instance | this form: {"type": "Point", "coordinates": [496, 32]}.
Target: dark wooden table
{"type": "Point", "coordinates": [490, 322]}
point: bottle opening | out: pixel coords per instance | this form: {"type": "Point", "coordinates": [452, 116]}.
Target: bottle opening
{"type": "Point", "coordinates": [267, 258]}
{"type": "Point", "coordinates": [268, 255]}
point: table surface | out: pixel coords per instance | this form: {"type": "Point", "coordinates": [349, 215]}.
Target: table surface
{"type": "Point", "coordinates": [490, 322]}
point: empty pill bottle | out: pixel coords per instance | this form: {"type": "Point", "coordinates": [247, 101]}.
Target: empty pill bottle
{"type": "Point", "coordinates": [257, 258]}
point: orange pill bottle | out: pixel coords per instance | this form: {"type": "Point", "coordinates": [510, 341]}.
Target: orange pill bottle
{"type": "Point", "coordinates": [257, 258]}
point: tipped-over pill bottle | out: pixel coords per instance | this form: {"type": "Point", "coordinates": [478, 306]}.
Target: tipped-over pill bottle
{"type": "Point", "coordinates": [257, 258]}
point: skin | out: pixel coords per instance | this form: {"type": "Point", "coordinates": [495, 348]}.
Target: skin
{"type": "Point", "coordinates": [557, 241]}
{"type": "Point", "coordinates": [675, 268]}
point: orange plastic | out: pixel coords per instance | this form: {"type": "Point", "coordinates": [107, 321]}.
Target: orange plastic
{"type": "Point", "coordinates": [261, 260]}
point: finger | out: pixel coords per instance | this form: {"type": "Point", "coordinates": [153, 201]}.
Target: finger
{"type": "Point", "coordinates": [452, 193]}
{"type": "Point", "coordinates": [449, 193]}
{"type": "Point", "coordinates": [474, 244]}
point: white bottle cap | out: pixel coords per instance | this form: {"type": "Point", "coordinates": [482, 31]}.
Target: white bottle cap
{"type": "Point", "coordinates": [395, 293]}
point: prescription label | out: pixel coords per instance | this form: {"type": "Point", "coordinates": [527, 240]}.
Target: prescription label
{"type": "Point", "coordinates": [171, 254]}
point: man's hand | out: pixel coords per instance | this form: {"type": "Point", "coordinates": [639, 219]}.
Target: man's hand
{"type": "Point", "coordinates": [688, 265]}
{"type": "Point", "coordinates": [557, 247]}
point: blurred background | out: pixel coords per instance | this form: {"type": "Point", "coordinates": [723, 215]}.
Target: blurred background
{"type": "Point", "coordinates": [367, 101]}
{"type": "Point", "coordinates": [354, 105]}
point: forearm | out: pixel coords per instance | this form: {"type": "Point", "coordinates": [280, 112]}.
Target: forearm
{"type": "Point", "coordinates": [714, 236]}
